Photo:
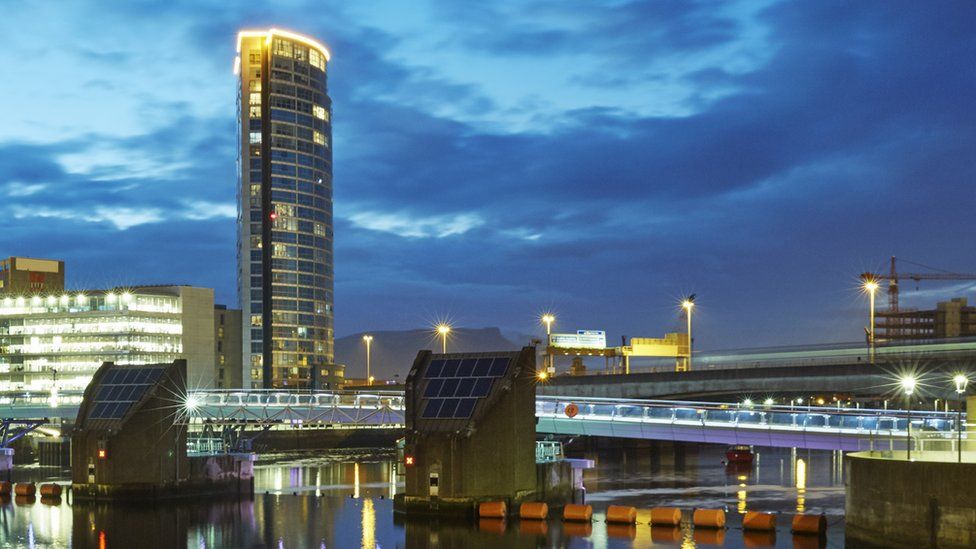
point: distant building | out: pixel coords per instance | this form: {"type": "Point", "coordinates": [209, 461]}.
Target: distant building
{"type": "Point", "coordinates": [470, 422]}
{"type": "Point", "coordinates": [28, 276]}
{"type": "Point", "coordinates": [949, 319]}
{"type": "Point", "coordinates": [227, 348]}
{"type": "Point", "coordinates": [60, 339]}
{"type": "Point", "coordinates": [285, 263]}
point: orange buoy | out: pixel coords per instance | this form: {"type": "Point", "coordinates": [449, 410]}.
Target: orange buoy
{"type": "Point", "coordinates": [25, 489]}
{"type": "Point", "coordinates": [492, 509]}
{"type": "Point", "coordinates": [709, 518]}
{"type": "Point", "coordinates": [50, 490]}
{"type": "Point", "coordinates": [533, 510]}
{"type": "Point", "coordinates": [5, 488]}
{"type": "Point", "coordinates": [755, 520]}
{"type": "Point", "coordinates": [809, 524]}
{"type": "Point", "coordinates": [665, 516]}
{"type": "Point", "coordinates": [621, 514]}
{"type": "Point", "coordinates": [577, 512]}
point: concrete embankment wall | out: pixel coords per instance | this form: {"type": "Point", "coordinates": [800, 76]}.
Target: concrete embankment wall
{"type": "Point", "coordinates": [897, 503]}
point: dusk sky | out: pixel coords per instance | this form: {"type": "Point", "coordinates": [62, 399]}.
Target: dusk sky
{"type": "Point", "coordinates": [493, 160]}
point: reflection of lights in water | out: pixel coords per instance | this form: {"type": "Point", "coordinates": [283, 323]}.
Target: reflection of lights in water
{"type": "Point", "coordinates": [742, 499]}
{"type": "Point", "coordinates": [369, 525]}
{"type": "Point", "coordinates": [318, 481]}
{"type": "Point", "coordinates": [55, 527]}
{"type": "Point", "coordinates": [801, 485]}
{"type": "Point", "coordinates": [279, 480]}
{"type": "Point", "coordinates": [101, 539]}
{"type": "Point", "coordinates": [355, 480]}
{"type": "Point", "coordinates": [30, 535]}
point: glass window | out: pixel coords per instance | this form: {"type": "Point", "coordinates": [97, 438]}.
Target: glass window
{"type": "Point", "coordinates": [254, 111]}
{"type": "Point", "coordinates": [255, 98]}
{"type": "Point", "coordinates": [255, 137]}
{"type": "Point", "coordinates": [319, 138]}
{"type": "Point", "coordinates": [254, 85]}
{"type": "Point", "coordinates": [320, 112]}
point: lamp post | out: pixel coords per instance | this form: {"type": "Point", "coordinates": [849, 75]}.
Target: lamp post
{"type": "Point", "coordinates": [908, 384]}
{"type": "Point", "coordinates": [961, 381]}
{"type": "Point", "coordinates": [368, 339]}
{"type": "Point", "coordinates": [688, 304]}
{"type": "Point", "coordinates": [443, 330]}
{"type": "Point", "coordinates": [871, 287]}
{"type": "Point", "coordinates": [548, 319]}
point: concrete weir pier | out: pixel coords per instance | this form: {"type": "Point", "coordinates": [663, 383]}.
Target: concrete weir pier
{"type": "Point", "coordinates": [470, 437]}
{"type": "Point", "coordinates": [927, 502]}
{"type": "Point", "coordinates": [129, 441]}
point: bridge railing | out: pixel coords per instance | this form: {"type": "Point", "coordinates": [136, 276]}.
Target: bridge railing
{"type": "Point", "coordinates": [889, 422]}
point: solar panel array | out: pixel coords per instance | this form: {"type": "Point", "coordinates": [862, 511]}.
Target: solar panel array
{"type": "Point", "coordinates": [454, 386]}
{"type": "Point", "coordinates": [120, 389]}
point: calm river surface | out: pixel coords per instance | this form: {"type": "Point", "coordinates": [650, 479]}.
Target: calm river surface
{"type": "Point", "coordinates": [346, 502]}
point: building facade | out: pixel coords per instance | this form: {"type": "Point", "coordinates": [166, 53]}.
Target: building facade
{"type": "Point", "coordinates": [285, 239]}
{"type": "Point", "coordinates": [56, 342]}
{"type": "Point", "coordinates": [950, 319]}
{"type": "Point", "coordinates": [27, 275]}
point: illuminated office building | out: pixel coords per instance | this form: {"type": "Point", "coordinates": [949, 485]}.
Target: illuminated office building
{"type": "Point", "coordinates": [285, 264]}
{"type": "Point", "coordinates": [27, 275]}
{"type": "Point", "coordinates": [58, 340]}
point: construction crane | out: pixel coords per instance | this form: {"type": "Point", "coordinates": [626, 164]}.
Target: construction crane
{"type": "Point", "coordinates": [893, 276]}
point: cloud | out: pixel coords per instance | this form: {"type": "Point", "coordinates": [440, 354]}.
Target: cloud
{"type": "Point", "coordinates": [406, 225]}
{"type": "Point", "coordinates": [16, 189]}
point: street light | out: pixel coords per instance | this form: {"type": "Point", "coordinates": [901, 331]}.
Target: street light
{"type": "Point", "coordinates": [908, 385]}
{"type": "Point", "coordinates": [368, 339]}
{"type": "Point", "coordinates": [443, 330]}
{"type": "Point", "coordinates": [871, 287]}
{"type": "Point", "coordinates": [548, 319]}
{"type": "Point", "coordinates": [961, 381]}
{"type": "Point", "coordinates": [688, 304]}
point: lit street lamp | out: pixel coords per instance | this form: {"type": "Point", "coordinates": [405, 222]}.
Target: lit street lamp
{"type": "Point", "coordinates": [548, 319]}
{"type": "Point", "coordinates": [908, 384]}
{"type": "Point", "coordinates": [443, 330]}
{"type": "Point", "coordinates": [688, 304]}
{"type": "Point", "coordinates": [961, 381]}
{"type": "Point", "coordinates": [368, 339]}
{"type": "Point", "coordinates": [871, 287]}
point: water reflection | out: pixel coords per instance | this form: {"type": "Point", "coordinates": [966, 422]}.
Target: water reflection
{"type": "Point", "coordinates": [343, 502]}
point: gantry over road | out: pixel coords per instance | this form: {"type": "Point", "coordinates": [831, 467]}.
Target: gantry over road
{"type": "Point", "coordinates": [680, 421]}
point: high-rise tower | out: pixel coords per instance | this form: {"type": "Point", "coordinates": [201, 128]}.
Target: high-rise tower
{"type": "Point", "coordinates": [285, 265]}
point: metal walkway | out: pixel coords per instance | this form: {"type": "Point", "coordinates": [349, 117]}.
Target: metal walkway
{"type": "Point", "coordinates": [777, 426]}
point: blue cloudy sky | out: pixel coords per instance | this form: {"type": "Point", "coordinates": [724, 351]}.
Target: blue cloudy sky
{"type": "Point", "coordinates": [496, 159]}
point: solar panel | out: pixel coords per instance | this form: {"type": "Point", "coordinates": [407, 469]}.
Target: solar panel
{"type": "Point", "coordinates": [433, 405]}
{"type": "Point", "coordinates": [120, 389]}
{"type": "Point", "coordinates": [464, 387]}
{"type": "Point", "coordinates": [467, 367]}
{"type": "Point", "coordinates": [482, 387]}
{"type": "Point", "coordinates": [448, 408]}
{"type": "Point", "coordinates": [482, 367]}
{"type": "Point", "coordinates": [498, 367]}
{"type": "Point", "coordinates": [434, 370]}
{"type": "Point", "coordinates": [450, 385]}
{"type": "Point", "coordinates": [450, 368]}
{"type": "Point", "coordinates": [465, 407]}
{"type": "Point", "coordinates": [433, 387]}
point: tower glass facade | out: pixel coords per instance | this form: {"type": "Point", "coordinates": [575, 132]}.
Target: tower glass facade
{"type": "Point", "coordinates": [285, 265]}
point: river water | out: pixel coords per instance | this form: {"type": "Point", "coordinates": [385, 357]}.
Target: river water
{"type": "Point", "coordinates": [344, 501]}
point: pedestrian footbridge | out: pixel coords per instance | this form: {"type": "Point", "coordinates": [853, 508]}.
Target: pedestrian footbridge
{"type": "Point", "coordinates": [777, 426]}
{"type": "Point", "coordinates": [679, 421]}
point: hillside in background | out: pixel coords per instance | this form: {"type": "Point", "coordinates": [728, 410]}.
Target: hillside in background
{"type": "Point", "coordinates": [393, 352]}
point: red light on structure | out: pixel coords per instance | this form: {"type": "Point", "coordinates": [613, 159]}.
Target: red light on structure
{"type": "Point", "coordinates": [408, 461]}
{"type": "Point", "coordinates": [102, 453]}
{"type": "Point", "coordinates": [273, 216]}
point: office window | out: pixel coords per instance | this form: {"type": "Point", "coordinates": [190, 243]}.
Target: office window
{"type": "Point", "coordinates": [319, 138]}
{"type": "Point", "coordinates": [254, 98]}
{"type": "Point", "coordinates": [320, 112]}
{"type": "Point", "coordinates": [254, 138]}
